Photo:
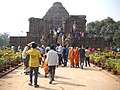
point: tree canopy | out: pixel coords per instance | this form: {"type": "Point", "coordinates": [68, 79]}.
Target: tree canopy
{"type": "Point", "coordinates": [107, 28]}
{"type": "Point", "coordinates": [4, 39]}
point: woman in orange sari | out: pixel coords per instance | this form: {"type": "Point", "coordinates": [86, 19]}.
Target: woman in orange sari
{"type": "Point", "coordinates": [76, 57]}
{"type": "Point", "coordinates": [71, 56]}
{"type": "Point", "coordinates": [44, 64]}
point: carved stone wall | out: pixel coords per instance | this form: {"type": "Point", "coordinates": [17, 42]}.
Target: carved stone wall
{"type": "Point", "coordinates": [78, 20]}
{"type": "Point", "coordinates": [18, 41]}
{"type": "Point", "coordinates": [90, 42]}
{"type": "Point", "coordinates": [57, 16]}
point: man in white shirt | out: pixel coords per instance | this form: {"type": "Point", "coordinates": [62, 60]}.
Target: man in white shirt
{"type": "Point", "coordinates": [47, 48]}
{"type": "Point", "coordinates": [52, 62]}
{"type": "Point", "coordinates": [87, 56]}
{"type": "Point", "coordinates": [59, 50]}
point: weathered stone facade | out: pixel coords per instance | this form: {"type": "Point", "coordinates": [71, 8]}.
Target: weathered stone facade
{"type": "Point", "coordinates": [18, 41]}
{"type": "Point", "coordinates": [41, 30]}
{"type": "Point", "coordinates": [78, 20]}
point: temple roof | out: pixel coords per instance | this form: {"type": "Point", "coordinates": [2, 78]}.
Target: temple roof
{"type": "Point", "coordinates": [56, 12]}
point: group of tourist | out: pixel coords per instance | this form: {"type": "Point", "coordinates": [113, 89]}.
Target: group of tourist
{"type": "Point", "coordinates": [79, 55]}
{"type": "Point", "coordinates": [51, 57]}
{"type": "Point", "coordinates": [33, 56]}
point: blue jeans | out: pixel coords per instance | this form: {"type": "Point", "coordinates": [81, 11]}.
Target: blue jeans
{"type": "Point", "coordinates": [35, 69]}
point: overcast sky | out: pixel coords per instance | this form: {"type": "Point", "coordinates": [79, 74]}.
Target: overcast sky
{"type": "Point", "coordinates": [14, 14]}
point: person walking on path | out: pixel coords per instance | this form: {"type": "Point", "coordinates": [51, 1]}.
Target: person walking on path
{"type": "Point", "coordinates": [52, 62]}
{"type": "Point", "coordinates": [25, 58]}
{"type": "Point", "coordinates": [35, 56]}
{"type": "Point", "coordinates": [81, 56]}
{"type": "Point", "coordinates": [87, 56]}
{"type": "Point", "coordinates": [44, 64]}
{"type": "Point", "coordinates": [71, 57]}
{"type": "Point", "coordinates": [65, 55]}
{"type": "Point", "coordinates": [59, 50]}
{"type": "Point", "coordinates": [76, 57]}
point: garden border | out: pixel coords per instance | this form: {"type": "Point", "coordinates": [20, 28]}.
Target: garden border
{"type": "Point", "coordinates": [11, 69]}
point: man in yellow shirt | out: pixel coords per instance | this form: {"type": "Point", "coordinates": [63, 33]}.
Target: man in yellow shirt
{"type": "Point", "coordinates": [34, 63]}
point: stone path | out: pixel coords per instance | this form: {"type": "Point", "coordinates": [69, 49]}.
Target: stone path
{"type": "Point", "coordinates": [91, 78]}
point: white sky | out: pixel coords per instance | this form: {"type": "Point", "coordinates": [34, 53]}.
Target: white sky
{"type": "Point", "coordinates": [14, 14]}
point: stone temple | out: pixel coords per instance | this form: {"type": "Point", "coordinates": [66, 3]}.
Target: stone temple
{"type": "Point", "coordinates": [57, 26]}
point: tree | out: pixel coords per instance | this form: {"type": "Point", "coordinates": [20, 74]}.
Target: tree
{"type": "Point", "coordinates": [116, 38]}
{"type": "Point", "coordinates": [4, 39]}
{"type": "Point", "coordinates": [107, 28]}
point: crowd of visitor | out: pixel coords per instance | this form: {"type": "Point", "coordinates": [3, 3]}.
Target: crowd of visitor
{"type": "Point", "coordinates": [52, 56]}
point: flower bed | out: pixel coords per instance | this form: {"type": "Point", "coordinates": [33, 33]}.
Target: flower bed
{"type": "Point", "coordinates": [9, 59]}
{"type": "Point", "coordinates": [106, 61]}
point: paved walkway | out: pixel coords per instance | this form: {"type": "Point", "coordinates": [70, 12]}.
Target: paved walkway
{"type": "Point", "coordinates": [66, 79]}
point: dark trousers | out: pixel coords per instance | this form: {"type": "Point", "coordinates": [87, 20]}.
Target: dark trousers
{"type": "Point", "coordinates": [51, 70]}
{"type": "Point", "coordinates": [81, 61]}
{"type": "Point", "coordinates": [60, 59]}
{"type": "Point", "coordinates": [65, 60]}
{"type": "Point", "coordinates": [35, 69]}
{"type": "Point", "coordinates": [87, 60]}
